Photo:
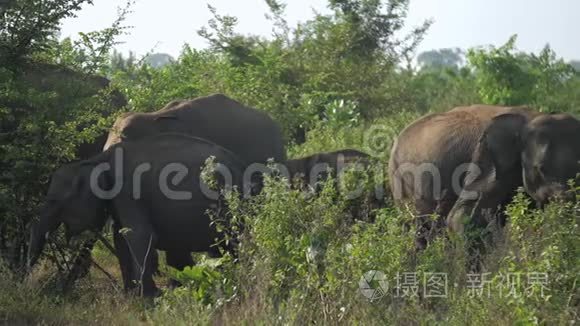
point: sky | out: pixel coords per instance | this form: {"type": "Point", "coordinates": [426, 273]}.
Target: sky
{"type": "Point", "coordinates": [164, 26]}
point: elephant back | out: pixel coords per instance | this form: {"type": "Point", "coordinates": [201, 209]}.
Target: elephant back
{"type": "Point", "coordinates": [249, 133]}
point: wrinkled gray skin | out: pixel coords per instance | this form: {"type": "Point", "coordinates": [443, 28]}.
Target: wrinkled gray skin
{"type": "Point", "coordinates": [249, 133]}
{"type": "Point", "coordinates": [540, 153]}
{"type": "Point", "coordinates": [154, 221]}
{"type": "Point", "coordinates": [440, 143]}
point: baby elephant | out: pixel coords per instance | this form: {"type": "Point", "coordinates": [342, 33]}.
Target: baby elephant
{"type": "Point", "coordinates": [314, 168]}
{"type": "Point", "coordinates": [311, 170]}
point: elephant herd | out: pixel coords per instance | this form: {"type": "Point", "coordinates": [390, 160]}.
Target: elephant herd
{"type": "Point", "coordinates": [149, 179]}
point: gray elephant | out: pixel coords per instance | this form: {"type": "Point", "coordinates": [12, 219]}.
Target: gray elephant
{"type": "Point", "coordinates": [540, 153]}
{"type": "Point", "coordinates": [430, 157]}
{"type": "Point", "coordinates": [155, 194]}
{"type": "Point", "coordinates": [249, 133]}
{"type": "Point", "coordinates": [311, 169]}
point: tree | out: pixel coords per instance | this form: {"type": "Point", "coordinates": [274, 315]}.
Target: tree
{"type": "Point", "coordinates": [372, 25]}
{"type": "Point", "coordinates": [51, 104]}
{"type": "Point", "coordinates": [118, 62]}
{"type": "Point", "coordinates": [575, 64]}
{"type": "Point", "coordinates": [348, 55]}
{"type": "Point", "coordinates": [158, 60]}
{"type": "Point", "coordinates": [442, 58]}
{"type": "Point", "coordinates": [29, 25]}
{"type": "Point", "coordinates": [506, 76]}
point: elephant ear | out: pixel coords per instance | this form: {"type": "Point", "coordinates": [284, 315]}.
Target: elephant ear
{"type": "Point", "coordinates": [65, 182]}
{"type": "Point", "coordinates": [62, 183]}
{"type": "Point", "coordinates": [82, 182]}
{"type": "Point", "coordinates": [503, 142]}
{"type": "Point", "coordinates": [82, 178]}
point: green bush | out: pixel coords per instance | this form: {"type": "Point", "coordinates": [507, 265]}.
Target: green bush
{"type": "Point", "coordinates": [505, 76]}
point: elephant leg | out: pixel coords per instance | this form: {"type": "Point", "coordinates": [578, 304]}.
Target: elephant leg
{"type": "Point", "coordinates": [124, 257]}
{"type": "Point", "coordinates": [178, 260]}
{"type": "Point", "coordinates": [140, 241]}
{"type": "Point", "coordinates": [444, 206]}
{"type": "Point", "coordinates": [155, 262]}
{"type": "Point", "coordinates": [82, 264]}
{"type": "Point", "coordinates": [425, 208]}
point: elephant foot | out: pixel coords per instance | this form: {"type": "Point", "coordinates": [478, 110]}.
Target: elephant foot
{"type": "Point", "coordinates": [150, 292]}
{"type": "Point", "coordinates": [146, 292]}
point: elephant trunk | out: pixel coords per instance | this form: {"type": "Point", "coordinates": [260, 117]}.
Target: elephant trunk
{"type": "Point", "coordinates": [461, 213]}
{"type": "Point", "coordinates": [39, 231]}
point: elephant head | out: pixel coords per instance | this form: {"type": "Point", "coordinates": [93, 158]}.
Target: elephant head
{"type": "Point", "coordinates": [70, 200]}
{"type": "Point", "coordinates": [551, 156]}
{"type": "Point", "coordinates": [539, 153]}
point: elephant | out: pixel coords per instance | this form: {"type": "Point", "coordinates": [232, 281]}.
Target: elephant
{"type": "Point", "coordinates": [430, 157]}
{"type": "Point", "coordinates": [540, 153]}
{"type": "Point", "coordinates": [154, 190]}
{"type": "Point", "coordinates": [311, 169]}
{"type": "Point", "coordinates": [249, 133]}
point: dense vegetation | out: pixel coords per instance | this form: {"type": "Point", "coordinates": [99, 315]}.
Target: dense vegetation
{"type": "Point", "coordinates": [346, 79]}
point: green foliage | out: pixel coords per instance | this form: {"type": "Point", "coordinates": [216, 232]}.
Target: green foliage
{"type": "Point", "coordinates": [203, 282]}
{"type": "Point", "coordinates": [554, 250]}
{"type": "Point", "coordinates": [340, 80]}
{"type": "Point", "coordinates": [440, 88]}
{"type": "Point", "coordinates": [28, 26]}
{"type": "Point", "coordinates": [302, 259]}
{"type": "Point", "coordinates": [501, 78]}
{"type": "Point", "coordinates": [285, 76]}
{"type": "Point", "coordinates": [51, 104]}
{"type": "Point", "coordinates": [341, 114]}
{"type": "Point", "coordinates": [507, 77]}
{"type": "Point", "coordinates": [40, 130]}
{"type": "Point", "coordinates": [368, 27]}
